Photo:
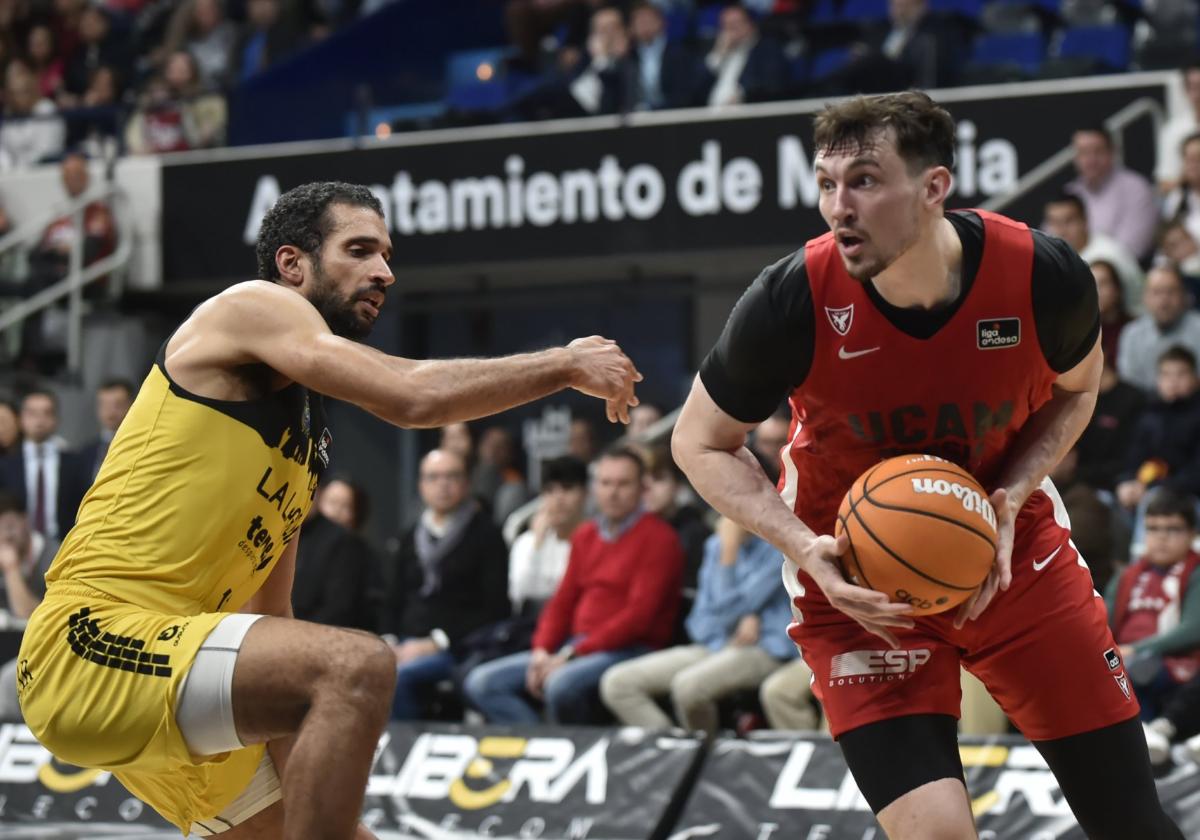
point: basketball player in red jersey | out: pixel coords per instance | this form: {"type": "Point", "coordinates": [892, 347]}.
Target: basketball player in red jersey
{"type": "Point", "coordinates": [909, 329]}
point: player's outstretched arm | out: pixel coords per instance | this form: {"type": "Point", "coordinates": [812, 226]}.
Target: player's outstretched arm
{"type": "Point", "coordinates": [279, 328]}
{"type": "Point", "coordinates": [710, 447]}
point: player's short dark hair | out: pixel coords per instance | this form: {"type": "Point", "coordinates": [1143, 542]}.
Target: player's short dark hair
{"type": "Point", "coordinates": [118, 382]}
{"type": "Point", "coordinates": [924, 130]}
{"type": "Point", "coordinates": [1165, 501]}
{"type": "Point", "coordinates": [629, 454]}
{"type": "Point", "coordinates": [1069, 198]}
{"type": "Point", "coordinates": [567, 471]}
{"type": "Point", "coordinates": [1178, 353]}
{"type": "Point", "coordinates": [301, 218]}
{"type": "Point", "coordinates": [10, 503]}
{"type": "Point", "coordinates": [1096, 128]}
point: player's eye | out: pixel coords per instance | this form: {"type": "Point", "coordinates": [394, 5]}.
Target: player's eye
{"type": "Point", "coordinates": [867, 181]}
{"type": "Point", "coordinates": [826, 185]}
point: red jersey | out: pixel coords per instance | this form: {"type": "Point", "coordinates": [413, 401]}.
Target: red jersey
{"type": "Point", "coordinates": [1149, 602]}
{"type": "Point", "coordinates": [874, 391]}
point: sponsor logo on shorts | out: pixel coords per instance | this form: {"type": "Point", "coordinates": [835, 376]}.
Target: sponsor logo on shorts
{"type": "Point", "coordinates": [124, 653]}
{"type": "Point", "coordinates": [1123, 684]}
{"type": "Point", "coordinates": [1112, 659]}
{"type": "Point", "coordinates": [998, 333]}
{"type": "Point", "coordinates": [24, 676]}
{"type": "Point", "coordinates": [860, 667]}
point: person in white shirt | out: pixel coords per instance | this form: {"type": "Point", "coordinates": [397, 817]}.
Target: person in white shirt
{"type": "Point", "coordinates": [599, 88]}
{"type": "Point", "coordinates": [538, 557]}
{"type": "Point", "coordinates": [1169, 169]}
{"type": "Point", "coordinates": [1121, 204]}
{"type": "Point", "coordinates": [1066, 217]}
{"type": "Point", "coordinates": [1182, 204]}
{"type": "Point", "coordinates": [32, 131]}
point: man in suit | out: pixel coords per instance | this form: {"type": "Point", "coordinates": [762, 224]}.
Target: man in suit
{"type": "Point", "coordinates": [667, 74]}
{"type": "Point", "coordinates": [113, 398]}
{"type": "Point", "coordinates": [744, 67]}
{"type": "Point", "coordinates": [48, 481]}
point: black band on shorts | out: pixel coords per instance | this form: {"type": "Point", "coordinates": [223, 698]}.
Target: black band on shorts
{"type": "Point", "coordinates": [891, 757]}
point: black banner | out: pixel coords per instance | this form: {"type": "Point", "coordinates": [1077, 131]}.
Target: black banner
{"type": "Point", "coordinates": [652, 186]}
{"type": "Point", "coordinates": [788, 787]}
{"type": "Point", "coordinates": [430, 781]}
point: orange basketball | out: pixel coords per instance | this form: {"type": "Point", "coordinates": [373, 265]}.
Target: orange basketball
{"type": "Point", "coordinates": [921, 530]}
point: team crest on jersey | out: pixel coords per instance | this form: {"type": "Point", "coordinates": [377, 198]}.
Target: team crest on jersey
{"type": "Point", "coordinates": [841, 319]}
{"type": "Point", "coordinates": [323, 444]}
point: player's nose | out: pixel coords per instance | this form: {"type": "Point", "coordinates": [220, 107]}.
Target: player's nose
{"type": "Point", "coordinates": [840, 207]}
{"type": "Point", "coordinates": [382, 272]}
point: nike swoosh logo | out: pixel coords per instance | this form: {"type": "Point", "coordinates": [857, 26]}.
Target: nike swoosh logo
{"type": "Point", "coordinates": [844, 354]}
{"type": "Point", "coordinates": [1037, 567]}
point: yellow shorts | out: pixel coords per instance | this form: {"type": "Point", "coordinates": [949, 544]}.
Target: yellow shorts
{"type": "Point", "coordinates": [97, 680]}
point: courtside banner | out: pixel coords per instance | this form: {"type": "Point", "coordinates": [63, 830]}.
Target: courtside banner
{"type": "Point", "coordinates": [782, 786]}
{"type": "Point", "coordinates": [433, 781]}
{"type": "Point", "coordinates": [652, 183]}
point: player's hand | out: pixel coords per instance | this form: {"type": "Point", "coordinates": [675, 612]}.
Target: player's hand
{"type": "Point", "coordinates": [1000, 577]}
{"type": "Point", "coordinates": [873, 610]}
{"type": "Point", "coordinates": [535, 674]}
{"type": "Point", "coordinates": [603, 370]}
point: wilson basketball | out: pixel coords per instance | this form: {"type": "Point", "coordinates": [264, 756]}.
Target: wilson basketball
{"type": "Point", "coordinates": [921, 530]}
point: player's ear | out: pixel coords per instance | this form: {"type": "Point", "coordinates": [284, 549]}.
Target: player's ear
{"type": "Point", "coordinates": [938, 183]}
{"type": "Point", "coordinates": [288, 261]}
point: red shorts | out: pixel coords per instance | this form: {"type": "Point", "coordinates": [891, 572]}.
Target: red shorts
{"type": "Point", "coordinates": [1042, 648]}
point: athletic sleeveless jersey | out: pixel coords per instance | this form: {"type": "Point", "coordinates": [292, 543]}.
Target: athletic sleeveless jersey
{"type": "Point", "coordinates": [1149, 602]}
{"type": "Point", "coordinates": [873, 391]}
{"type": "Point", "coordinates": [197, 498]}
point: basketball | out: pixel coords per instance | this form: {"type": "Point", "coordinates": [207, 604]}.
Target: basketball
{"type": "Point", "coordinates": [921, 530]}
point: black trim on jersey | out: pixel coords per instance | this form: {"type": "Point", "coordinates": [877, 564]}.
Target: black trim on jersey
{"type": "Point", "coordinates": [268, 415]}
{"type": "Point", "coordinates": [767, 346]}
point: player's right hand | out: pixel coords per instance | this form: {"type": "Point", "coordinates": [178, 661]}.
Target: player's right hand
{"type": "Point", "coordinates": [873, 610]}
{"type": "Point", "coordinates": [603, 370]}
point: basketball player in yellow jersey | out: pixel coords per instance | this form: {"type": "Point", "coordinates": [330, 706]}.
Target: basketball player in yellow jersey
{"type": "Point", "coordinates": [138, 660]}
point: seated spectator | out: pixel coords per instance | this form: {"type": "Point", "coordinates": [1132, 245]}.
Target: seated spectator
{"type": "Point", "coordinates": [913, 48]}
{"type": "Point", "coordinates": [450, 578]}
{"type": "Point", "coordinates": [98, 46]}
{"type": "Point", "coordinates": [737, 639]}
{"type": "Point", "coordinates": [94, 124]}
{"type": "Point", "coordinates": [1154, 606]}
{"type": "Point", "coordinates": [1178, 720]}
{"type": "Point", "coordinates": [10, 430]}
{"type": "Point", "coordinates": [459, 439]}
{"type": "Point", "coordinates": [770, 437]}
{"type": "Point", "coordinates": [668, 495]}
{"type": "Point", "coordinates": [538, 557]}
{"type": "Point", "coordinates": [48, 480]}
{"type": "Point", "coordinates": [1167, 322]}
{"type": "Point", "coordinates": [265, 38]}
{"type": "Point", "coordinates": [344, 502]}
{"type": "Point", "coordinates": [1113, 313]}
{"type": "Point", "coordinates": [113, 400]}
{"type": "Point", "coordinates": [1179, 126]}
{"type": "Point", "coordinates": [1182, 204]}
{"type": "Point", "coordinates": [743, 66]}
{"type": "Point", "coordinates": [333, 575]}
{"type": "Point", "coordinates": [641, 418]}
{"type": "Point", "coordinates": [787, 699]}
{"type": "Point", "coordinates": [667, 74]}
{"type": "Point", "coordinates": [44, 61]}
{"type": "Point", "coordinates": [1119, 203]}
{"type": "Point", "coordinates": [175, 114]}
{"type": "Point", "coordinates": [25, 555]}
{"type": "Point", "coordinates": [31, 131]}
{"type": "Point", "coordinates": [617, 600]}
{"type": "Point", "coordinates": [1065, 217]}
{"type": "Point", "coordinates": [530, 21]}
{"type": "Point", "coordinates": [200, 27]}
{"type": "Point", "coordinates": [1166, 441]}
{"type": "Point", "coordinates": [1176, 245]}
{"type": "Point", "coordinates": [496, 481]}
{"type": "Point", "coordinates": [1108, 436]}
{"type": "Point", "coordinates": [601, 82]}
{"type": "Point", "coordinates": [1101, 537]}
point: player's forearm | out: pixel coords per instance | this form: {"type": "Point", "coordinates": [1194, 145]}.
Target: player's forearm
{"type": "Point", "coordinates": [734, 485]}
{"type": "Point", "coordinates": [1048, 435]}
{"type": "Point", "coordinates": [443, 391]}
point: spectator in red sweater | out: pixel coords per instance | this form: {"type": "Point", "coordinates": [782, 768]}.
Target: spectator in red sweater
{"type": "Point", "coordinates": [617, 600]}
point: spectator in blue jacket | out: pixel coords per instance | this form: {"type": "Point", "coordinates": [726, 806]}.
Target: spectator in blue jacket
{"type": "Point", "coordinates": [737, 629]}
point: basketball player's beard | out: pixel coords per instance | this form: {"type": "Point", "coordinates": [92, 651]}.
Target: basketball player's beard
{"type": "Point", "coordinates": [340, 313]}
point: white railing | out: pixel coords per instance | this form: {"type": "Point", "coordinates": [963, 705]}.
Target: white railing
{"type": "Point", "coordinates": [78, 275]}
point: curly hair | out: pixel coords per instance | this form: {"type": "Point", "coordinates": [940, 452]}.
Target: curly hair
{"type": "Point", "coordinates": [299, 218]}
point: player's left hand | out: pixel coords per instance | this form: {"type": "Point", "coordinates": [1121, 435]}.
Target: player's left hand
{"type": "Point", "coordinates": [1000, 577]}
